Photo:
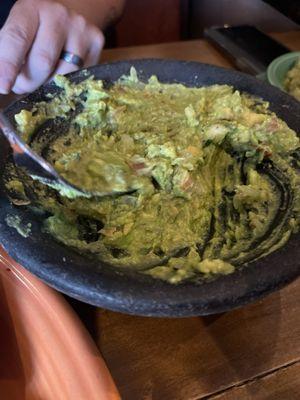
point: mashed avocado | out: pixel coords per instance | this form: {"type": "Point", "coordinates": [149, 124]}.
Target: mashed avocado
{"type": "Point", "coordinates": [14, 221]}
{"type": "Point", "coordinates": [292, 81]}
{"type": "Point", "coordinates": [205, 178]}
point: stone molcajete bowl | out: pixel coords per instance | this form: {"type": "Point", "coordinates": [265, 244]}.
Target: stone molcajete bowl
{"type": "Point", "coordinates": [95, 282]}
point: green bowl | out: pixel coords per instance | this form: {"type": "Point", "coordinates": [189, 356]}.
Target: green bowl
{"type": "Point", "coordinates": [279, 67]}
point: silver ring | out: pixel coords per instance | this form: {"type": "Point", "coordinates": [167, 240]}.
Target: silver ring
{"type": "Point", "coordinates": [72, 58]}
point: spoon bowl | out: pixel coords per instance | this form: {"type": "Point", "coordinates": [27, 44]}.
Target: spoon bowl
{"type": "Point", "coordinates": [40, 169]}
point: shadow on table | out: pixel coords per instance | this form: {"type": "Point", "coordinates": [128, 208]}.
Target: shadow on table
{"type": "Point", "coordinates": [87, 314]}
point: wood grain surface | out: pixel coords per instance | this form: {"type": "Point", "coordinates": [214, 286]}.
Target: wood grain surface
{"type": "Point", "coordinates": [252, 353]}
{"type": "Point", "coordinates": [193, 50]}
{"type": "Point", "coordinates": [195, 358]}
{"type": "Point", "coordinates": [281, 384]}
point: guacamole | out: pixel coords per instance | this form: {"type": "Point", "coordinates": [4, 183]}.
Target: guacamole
{"type": "Point", "coordinates": [14, 221]}
{"type": "Point", "coordinates": [292, 81]}
{"type": "Point", "coordinates": [205, 179]}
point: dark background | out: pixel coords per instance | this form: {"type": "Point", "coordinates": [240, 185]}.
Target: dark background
{"type": "Point", "coordinates": [156, 21]}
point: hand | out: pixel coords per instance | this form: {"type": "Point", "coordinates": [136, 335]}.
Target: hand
{"type": "Point", "coordinates": [32, 39]}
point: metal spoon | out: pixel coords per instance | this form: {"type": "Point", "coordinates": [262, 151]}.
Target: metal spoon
{"type": "Point", "coordinates": [38, 168]}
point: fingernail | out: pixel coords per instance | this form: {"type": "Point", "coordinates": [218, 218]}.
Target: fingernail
{"type": "Point", "coordinates": [5, 86]}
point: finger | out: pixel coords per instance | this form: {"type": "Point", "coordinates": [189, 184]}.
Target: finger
{"type": "Point", "coordinates": [16, 38]}
{"type": "Point", "coordinates": [77, 43]}
{"type": "Point", "coordinates": [96, 46]}
{"type": "Point", "coordinates": [44, 54]}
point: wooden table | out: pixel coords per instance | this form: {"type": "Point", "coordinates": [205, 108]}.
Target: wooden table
{"type": "Point", "coordinates": [250, 353]}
